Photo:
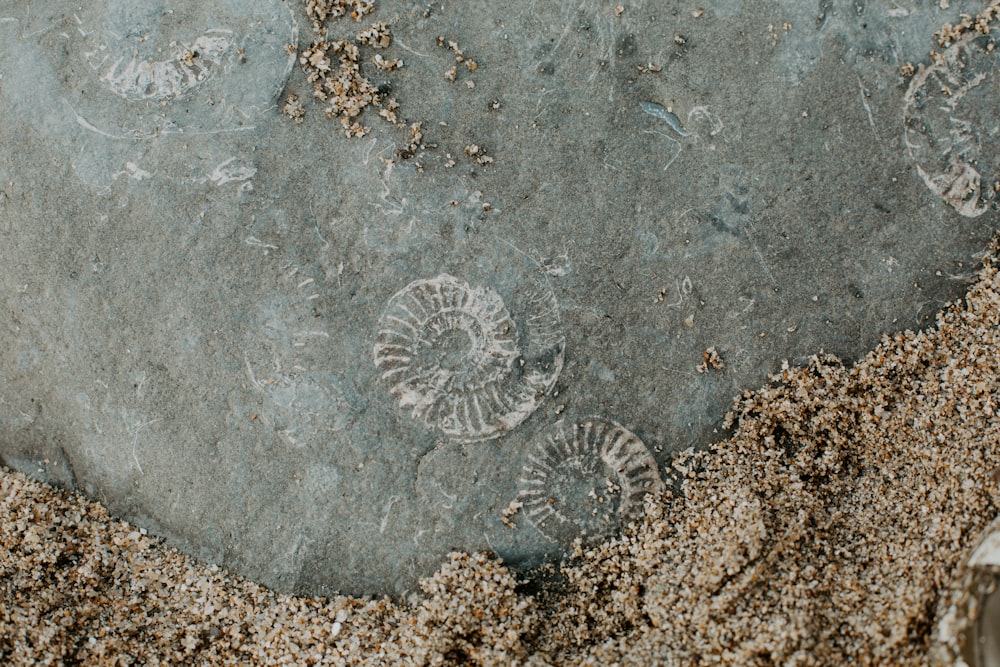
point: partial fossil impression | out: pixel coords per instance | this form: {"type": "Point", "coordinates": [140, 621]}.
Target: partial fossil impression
{"type": "Point", "coordinates": [584, 477]}
{"type": "Point", "coordinates": [172, 74]}
{"type": "Point", "coordinates": [951, 130]}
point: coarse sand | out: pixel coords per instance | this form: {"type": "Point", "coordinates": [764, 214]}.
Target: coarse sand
{"type": "Point", "coordinates": [827, 531]}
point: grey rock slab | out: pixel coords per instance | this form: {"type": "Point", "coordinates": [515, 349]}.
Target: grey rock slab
{"type": "Point", "coordinates": [325, 364]}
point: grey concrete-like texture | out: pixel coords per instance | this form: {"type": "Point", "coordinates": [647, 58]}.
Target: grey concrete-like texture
{"type": "Point", "coordinates": [201, 297]}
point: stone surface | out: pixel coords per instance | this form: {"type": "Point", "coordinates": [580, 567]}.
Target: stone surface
{"type": "Point", "coordinates": [199, 295]}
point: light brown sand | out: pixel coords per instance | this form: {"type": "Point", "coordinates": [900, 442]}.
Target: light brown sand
{"type": "Point", "coordinates": [826, 532]}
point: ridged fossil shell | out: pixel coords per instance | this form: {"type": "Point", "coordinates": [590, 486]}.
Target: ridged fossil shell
{"type": "Point", "coordinates": [453, 355]}
{"type": "Point", "coordinates": [581, 480]}
{"type": "Point", "coordinates": [136, 78]}
{"type": "Point", "coordinates": [173, 65]}
{"type": "Point", "coordinates": [950, 128]}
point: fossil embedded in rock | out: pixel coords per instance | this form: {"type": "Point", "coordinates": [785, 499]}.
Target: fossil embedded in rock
{"type": "Point", "coordinates": [950, 127]}
{"type": "Point", "coordinates": [171, 73]}
{"type": "Point", "coordinates": [135, 78]}
{"type": "Point", "coordinates": [455, 357]}
{"type": "Point", "coordinates": [582, 479]}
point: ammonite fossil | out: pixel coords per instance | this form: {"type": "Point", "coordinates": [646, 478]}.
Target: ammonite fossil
{"type": "Point", "coordinates": [583, 478]}
{"type": "Point", "coordinates": [184, 67]}
{"type": "Point", "coordinates": [455, 357]}
{"type": "Point", "coordinates": [174, 65]}
{"type": "Point", "coordinates": [950, 124]}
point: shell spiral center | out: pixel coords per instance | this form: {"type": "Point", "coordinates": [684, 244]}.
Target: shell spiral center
{"type": "Point", "coordinates": [454, 356]}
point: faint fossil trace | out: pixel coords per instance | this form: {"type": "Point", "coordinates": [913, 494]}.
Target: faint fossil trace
{"type": "Point", "coordinates": [453, 355]}
{"type": "Point", "coordinates": [951, 129]}
{"type": "Point", "coordinates": [225, 67]}
{"type": "Point", "coordinates": [307, 400]}
{"type": "Point", "coordinates": [186, 67]}
{"type": "Point", "coordinates": [304, 408]}
{"type": "Point", "coordinates": [583, 479]}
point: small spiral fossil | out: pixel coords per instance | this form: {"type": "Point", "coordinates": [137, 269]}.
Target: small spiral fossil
{"type": "Point", "coordinates": [453, 355]}
{"type": "Point", "coordinates": [583, 480]}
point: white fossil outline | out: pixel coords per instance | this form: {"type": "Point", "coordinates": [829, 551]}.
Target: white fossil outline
{"type": "Point", "coordinates": [631, 472]}
{"type": "Point", "coordinates": [490, 384]}
{"type": "Point", "coordinates": [139, 79]}
{"type": "Point", "coordinates": [953, 178]}
{"type": "Point", "coordinates": [172, 73]}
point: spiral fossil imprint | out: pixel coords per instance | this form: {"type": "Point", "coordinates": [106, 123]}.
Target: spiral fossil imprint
{"type": "Point", "coordinates": [583, 480]}
{"type": "Point", "coordinates": [454, 356]}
